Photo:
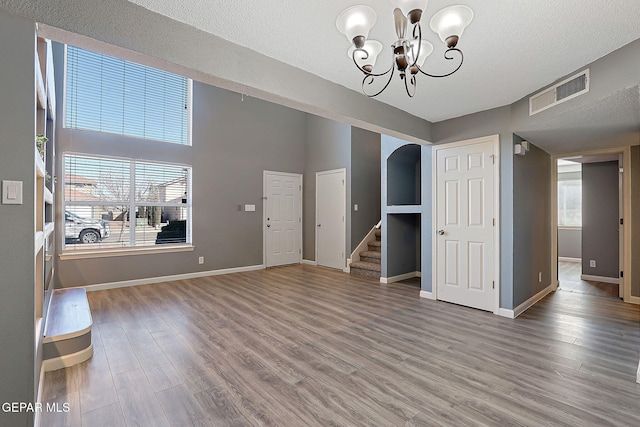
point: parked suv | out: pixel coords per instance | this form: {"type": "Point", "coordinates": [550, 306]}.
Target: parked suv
{"type": "Point", "coordinates": [84, 230]}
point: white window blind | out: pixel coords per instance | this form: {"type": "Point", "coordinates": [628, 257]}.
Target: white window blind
{"type": "Point", "coordinates": [115, 203]}
{"type": "Point", "coordinates": [108, 94]}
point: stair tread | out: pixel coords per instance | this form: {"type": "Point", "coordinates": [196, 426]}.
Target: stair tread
{"type": "Point", "coordinates": [69, 314]}
{"type": "Point", "coordinates": [378, 233]}
{"type": "Point", "coordinates": [371, 254]}
{"type": "Point", "coordinates": [377, 243]}
{"type": "Point", "coordinates": [363, 265]}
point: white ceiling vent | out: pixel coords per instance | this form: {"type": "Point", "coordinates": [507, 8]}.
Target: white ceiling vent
{"type": "Point", "coordinates": [563, 91]}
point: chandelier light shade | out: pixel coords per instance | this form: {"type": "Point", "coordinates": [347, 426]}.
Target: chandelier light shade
{"type": "Point", "coordinates": [366, 57]}
{"type": "Point", "coordinates": [451, 21]}
{"type": "Point", "coordinates": [356, 22]}
{"type": "Point", "coordinates": [409, 51]}
{"type": "Point", "coordinates": [411, 8]}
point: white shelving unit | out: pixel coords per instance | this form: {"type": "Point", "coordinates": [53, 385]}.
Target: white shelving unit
{"type": "Point", "coordinates": [44, 193]}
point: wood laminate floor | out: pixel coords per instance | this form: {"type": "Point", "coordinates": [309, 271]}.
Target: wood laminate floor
{"type": "Point", "coordinates": [569, 276]}
{"type": "Point", "coordinates": [308, 346]}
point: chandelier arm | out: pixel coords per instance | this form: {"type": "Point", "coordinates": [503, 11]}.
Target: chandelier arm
{"type": "Point", "coordinates": [366, 56]}
{"type": "Point", "coordinates": [371, 78]}
{"type": "Point", "coordinates": [447, 58]}
{"type": "Point", "coordinates": [413, 84]}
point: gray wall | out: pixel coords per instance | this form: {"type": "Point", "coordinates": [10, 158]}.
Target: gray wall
{"type": "Point", "coordinates": [570, 242]}
{"type": "Point", "coordinates": [233, 142]}
{"type": "Point", "coordinates": [18, 367]}
{"type": "Point", "coordinates": [531, 223]}
{"type": "Point", "coordinates": [365, 183]}
{"type": "Point", "coordinates": [635, 217]}
{"type": "Point", "coordinates": [328, 146]}
{"type": "Point", "coordinates": [491, 122]}
{"type": "Point", "coordinates": [600, 216]}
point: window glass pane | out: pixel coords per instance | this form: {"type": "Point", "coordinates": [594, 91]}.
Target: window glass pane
{"type": "Point", "coordinates": [90, 227]}
{"type": "Point", "coordinates": [156, 225]}
{"type": "Point", "coordinates": [570, 203]}
{"type": "Point", "coordinates": [107, 94]}
{"type": "Point", "coordinates": [161, 183]}
{"type": "Point", "coordinates": [96, 180]}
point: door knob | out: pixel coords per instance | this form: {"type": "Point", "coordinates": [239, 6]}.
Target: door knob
{"type": "Point", "coordinates": [319, 225]}
{"type": "Point", "coordinates": [268, 225]}
{"type": "Point", "coordinates": [441, 232]}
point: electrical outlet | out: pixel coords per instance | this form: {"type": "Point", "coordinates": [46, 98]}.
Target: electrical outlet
{"type": "Point", "coordinates": [592, 263]}
{"type": "Point", "coordinates": [201, 260]}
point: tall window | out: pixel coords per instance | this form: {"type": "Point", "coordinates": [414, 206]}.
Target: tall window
{"type": "Point", "coordinates": [107, 94]}
{"type": "Point", "coordinates": [570, 203]}
{"type": "Point", "coordinates": [119, 203]}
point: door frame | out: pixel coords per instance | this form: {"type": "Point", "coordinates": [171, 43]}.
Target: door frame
{"type": "Point", "coordinates": [264, 212]}
{"type": "Point", "coordinates": [626, 194]}
{"type": "Point", "coordinates": [345, 268]}
{"type": "Point", "coordinates": [495, 140]}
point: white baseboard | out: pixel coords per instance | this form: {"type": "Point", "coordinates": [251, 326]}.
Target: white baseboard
{"type": "Point", "coordinates": [418, 273]}
{"type": "Point", "coordinates": [161, 279]}
{"type": "Point", "coordinates": [399, 278]}
{"type": "Point", "coordinates": [613, 280]}
{"type": "Point", "coordinates": [634, 300]}
{"type": "Point", "coordinates": [512, 314]}
{"type": "Point", "coordinates": [68, 359]}
{"type": "Point", "coordinates": [308, 262]}
{"type": "Point", "coordinates": [638, 374]}
{"type": "Point", "coordinates": [568, 259]}
{"type": "Point", "coordinates": [347, 269]}
{"type": "Point", "coordinates": [427, 295]}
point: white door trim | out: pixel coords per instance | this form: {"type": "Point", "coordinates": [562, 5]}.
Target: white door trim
{"type": "Point", "coordinates": [495, 140]}
{"type": "Point", "coordinates": [626, 188]}
{"type": "Point", "coordinates": [264, 212]}
{"type": "Point", "coordinates": [344, 223]}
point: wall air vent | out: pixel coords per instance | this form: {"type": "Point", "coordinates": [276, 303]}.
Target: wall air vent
{"type": "Point", "coordinates": [563, 91]}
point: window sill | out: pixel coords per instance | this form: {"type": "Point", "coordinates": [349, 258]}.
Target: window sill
{"type": "Point", "coordinates": [107, 253]}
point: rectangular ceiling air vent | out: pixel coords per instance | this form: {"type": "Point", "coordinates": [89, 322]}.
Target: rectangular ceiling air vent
{"type": "Point", "coordinates": [563, 91]}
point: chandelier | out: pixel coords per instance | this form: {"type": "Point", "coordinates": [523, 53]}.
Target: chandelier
{"type": "Point", "coordinates": [409, 53]}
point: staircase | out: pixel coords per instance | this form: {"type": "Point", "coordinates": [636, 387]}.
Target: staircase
{"type": "Point", "coordinates": [370, 260]}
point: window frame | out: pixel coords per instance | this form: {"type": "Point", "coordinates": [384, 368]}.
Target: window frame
{"type": "Point", "coordinates": [68, 253]}
{"type": "Point", "coordinates": [189, 130]}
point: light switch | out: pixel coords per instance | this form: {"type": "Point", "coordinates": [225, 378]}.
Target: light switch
{"type": "Point", "coordinates": [11, 192]}
{"type": "Point", "coordinates": [355, 207]}
{"type": "Point", "coordinates": [249, 208]}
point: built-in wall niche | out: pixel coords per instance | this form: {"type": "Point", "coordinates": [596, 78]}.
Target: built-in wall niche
{"type": "Point", "coordinates": [403, 176]}
{"type": "Point", "coordinates": [403, 244]}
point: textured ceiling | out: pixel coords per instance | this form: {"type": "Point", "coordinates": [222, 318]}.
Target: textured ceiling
{"type": "Point", "coordinates": [512, 48]}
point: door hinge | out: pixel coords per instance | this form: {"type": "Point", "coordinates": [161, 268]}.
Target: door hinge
{"type": "Point", "coordinates": [343, 218]}
{"type": "Point", "coordinates": [299, 219]}
{"type": "Point", "coordinates": [494, 222]}
{"type": "Point", "coordinates": [493, 159]}
{"type": "Point", "coordinates": [621, 221]}
{"type": "Point", "coordinates": [299, 251]}
{"type": "Point", "coordinates": [621, 273]}
{"type": "Point", "coordinates": [343, 182]}
{"type": "Point", "coordinates": [493, 284]}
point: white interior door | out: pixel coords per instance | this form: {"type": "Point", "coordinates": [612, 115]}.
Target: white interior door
{"type": "Point", "coordinates": [282, 218]}
{"type": "Point", "coordinates": [331, 201]}
{"type": "Point", "coordinates": [465, 225]}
